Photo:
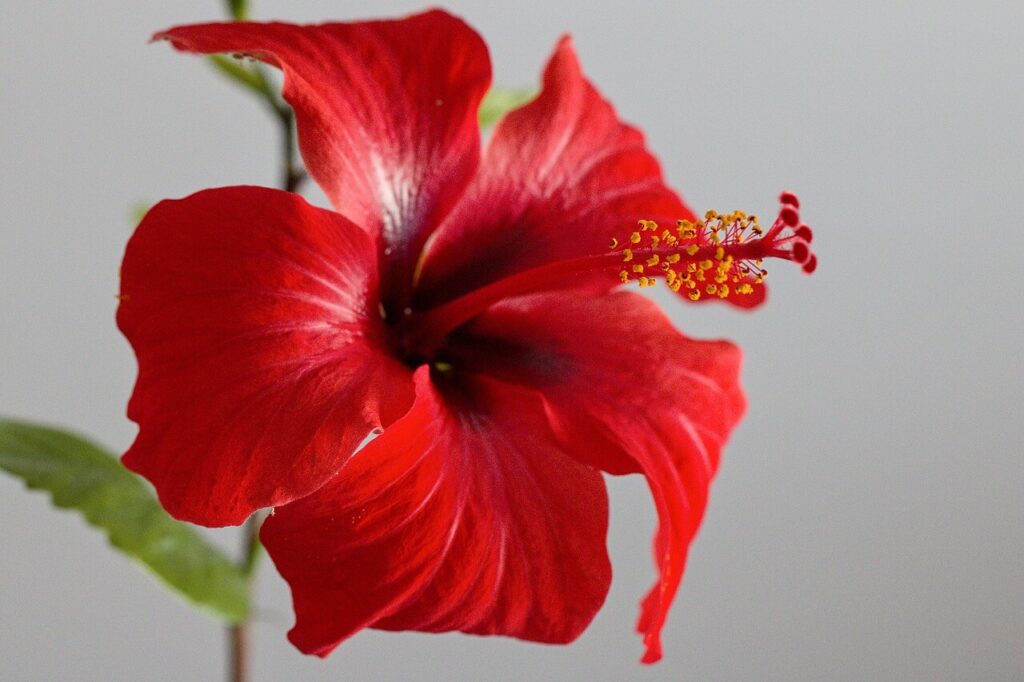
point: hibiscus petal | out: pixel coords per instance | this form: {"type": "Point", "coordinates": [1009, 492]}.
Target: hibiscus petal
{"type": "Point", "coordinates": [262, 360]}
{"type": "Point", "coordinates": [560, 177]}
{"type": "Point", "coordinates": [385, 110]}
{"type": "Point", "coordinates": [626, 392]}
{"type": "Point", "coordinates": [464, 515]}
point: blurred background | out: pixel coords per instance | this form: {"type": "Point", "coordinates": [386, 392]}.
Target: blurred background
{"type": "Point", "coordinates": [868, 519]}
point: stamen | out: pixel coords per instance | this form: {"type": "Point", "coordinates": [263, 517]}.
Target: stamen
{"type": "Point", "coordinates": [724, 253]}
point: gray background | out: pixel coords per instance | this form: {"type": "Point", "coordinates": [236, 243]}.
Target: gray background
{"type": "Point", "coordinates": [868, 520]}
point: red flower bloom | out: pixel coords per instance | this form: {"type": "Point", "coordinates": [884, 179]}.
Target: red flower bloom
{"type": "Point", "coordinates": [458, 302]}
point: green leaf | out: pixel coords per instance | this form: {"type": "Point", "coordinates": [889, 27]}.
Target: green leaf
{"type": "Point", "coordinates": [139, 211]}
{"type": "Point", "coordinates": [248, 76]}
{"type": "Point", "coordinates": [239, 9]}
{"type": "Point", "coordinates": [81, 476]}
{"type": "Point", "coordinates": [500, 101]}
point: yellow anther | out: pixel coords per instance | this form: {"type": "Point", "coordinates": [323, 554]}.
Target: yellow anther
{"type": "Point", "coordinates": [694, 295]}
{"type": "Point", "coordinates": [614, 244]}
{"type": "Point", "coordinates": [644, 282]}
{"type": "Point", "coordinates": [721, 270]}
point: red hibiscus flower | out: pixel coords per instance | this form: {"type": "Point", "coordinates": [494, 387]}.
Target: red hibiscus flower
{"type": "Point", "coordinates": [460, 303]}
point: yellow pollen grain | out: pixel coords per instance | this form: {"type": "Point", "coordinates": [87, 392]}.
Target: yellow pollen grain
{"type": "Point", "coordinates": [711, 289]}
{"type": "Point", "coordinates": [634, 238]}
{"type": "Point", "coordinates": [653, 260]}
{"type": "Point", "coordinates": [694, 295]}
{"type": "Point", "coordinates": [638, 268]}
{"type": "Point", "coordinates": [627, 255]}
{"type": "Point", "coordinates": [744, 289]}
{"type": "Point", "coordinates": [624, 276]}
{"type": "Point", "coordinates": [720, 253]}
{"type": "Point", "coordinates": [706, 265]}
{"type": "Point", "coordinates": [692, 250]}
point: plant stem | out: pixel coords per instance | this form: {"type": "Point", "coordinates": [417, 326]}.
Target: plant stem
{"type": "Point", "coordinates": [238, 644]}
{"type": "Point", "coordinates": [239, 633]}
{"type": "Point", "coordinates": [292, 174]}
